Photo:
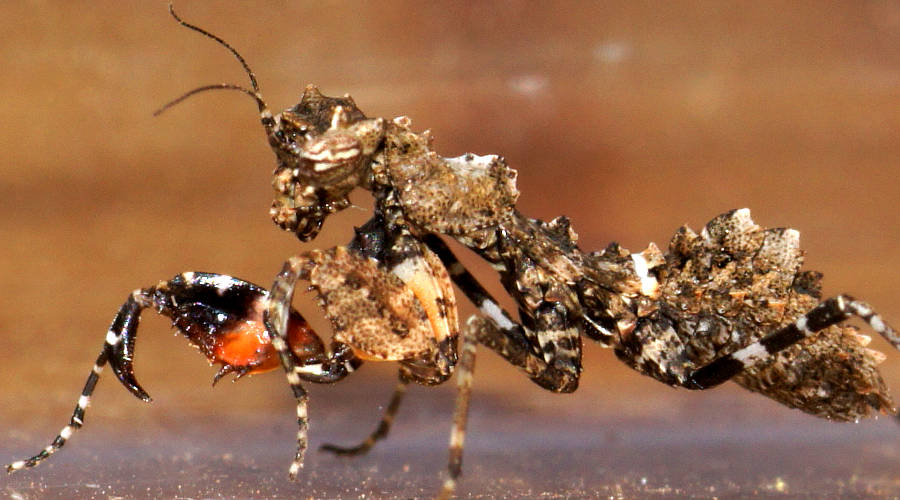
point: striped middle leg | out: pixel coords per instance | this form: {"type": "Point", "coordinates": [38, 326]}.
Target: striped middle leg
{"type": "Point", "coordinates": [464, 373]}
{"type": "Point", "coordinates": [381, 432]}
{"type": "Point", "coordinates": [502, 334]}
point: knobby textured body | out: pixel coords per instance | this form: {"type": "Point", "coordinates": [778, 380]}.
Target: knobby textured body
{"type": "Point", "coordinates": [728, 303]}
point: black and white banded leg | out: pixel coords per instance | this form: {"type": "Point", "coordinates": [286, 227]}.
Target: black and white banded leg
{"type": "Point", "coordinates": [205, 307]}
{"type": "Point", "coordinates": [827, 313]}
{"type": "Point", "coordinates": [117, 348]}
{"type": "Point", "coordinates": [340, 361]}
{"type": "Point", "coordinates": [381, 432]}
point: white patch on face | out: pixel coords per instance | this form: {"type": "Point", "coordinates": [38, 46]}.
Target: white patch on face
{"type": "Point", "coordinates": [330, 153]}
{"type": "Point", "coordinates": [335, 160]}
{"type": "Point", "coordinates": [189, 276]}
{"type": "Point", "coordinates": [493, 311]}
{"type": "Point", "coordinates": [336, 117]}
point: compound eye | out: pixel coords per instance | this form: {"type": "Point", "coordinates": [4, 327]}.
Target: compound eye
{"type": "Point", "coordinates": [293, 126]}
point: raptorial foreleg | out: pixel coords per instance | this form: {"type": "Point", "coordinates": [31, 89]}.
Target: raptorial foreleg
{"type": "Point", "coordinates": [220, 315]}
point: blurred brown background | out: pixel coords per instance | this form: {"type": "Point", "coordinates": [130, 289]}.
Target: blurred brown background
{"type": "Point", "coordinates": [631, 118]}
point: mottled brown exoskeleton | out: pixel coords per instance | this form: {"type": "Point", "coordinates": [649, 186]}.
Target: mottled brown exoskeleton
{"type": "Point", "coordinates": [729, 303]}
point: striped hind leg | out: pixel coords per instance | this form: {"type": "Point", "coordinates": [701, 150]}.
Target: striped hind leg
{"type": "Point", "coordinates": [827, 313]}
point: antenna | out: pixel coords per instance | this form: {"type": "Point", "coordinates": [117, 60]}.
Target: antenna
{"type": "Point", "coordinates": [265, 114]}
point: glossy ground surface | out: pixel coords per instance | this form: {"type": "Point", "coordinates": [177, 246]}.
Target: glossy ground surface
{"type": "Point", "coordinates": [631, 119]}
{"type": "Point", "coordinates": [722, 447]}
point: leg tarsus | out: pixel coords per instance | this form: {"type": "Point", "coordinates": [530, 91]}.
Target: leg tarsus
{"type": "Point", "coordinates": [302, 429]}
{"type": "Point", "coordinates": [380, 432]}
